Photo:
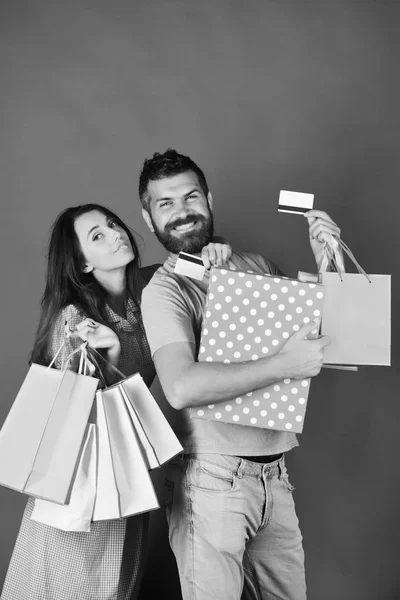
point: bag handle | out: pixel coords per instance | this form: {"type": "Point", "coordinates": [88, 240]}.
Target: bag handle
{"type": "Point", "coordinates": [332, 256]}
{"type": "Point", "coordinates": [84, 363]}
{"type": "Point", "coordinates": [107, 362]}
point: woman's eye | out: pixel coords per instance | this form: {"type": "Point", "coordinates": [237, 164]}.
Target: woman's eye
{"type": "Point", "coordinates": [96, 237]}
{"type": "Point", "coordinates": [112, 224]}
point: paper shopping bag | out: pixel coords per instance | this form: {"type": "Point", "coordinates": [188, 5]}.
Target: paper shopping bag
{"type": "Point", "coordinates": [123, 486]}
{"type": "Point", "coordinates": [156, 438]}
{"type": "Point", "coordinates": [157, 430]}
{"type": "Point", "coordinates": [77, 514]}
{"type": "Point", "coordinates": [250, 316]}
{"type": "Point", "coordinates": [357, 310]}
{"type": "Point", "coordinates": [42, 435]}
{"type": "Point", "coordinates": [357, 318]}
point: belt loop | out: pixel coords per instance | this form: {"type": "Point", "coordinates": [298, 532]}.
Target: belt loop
{"type": "Point", "coordinates": [281, 466]}
{"type": "Point", "coordinates": [239, 472]}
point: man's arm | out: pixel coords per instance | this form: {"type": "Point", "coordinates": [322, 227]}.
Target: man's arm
{"type": "Point", "coordinates": [189, 383]}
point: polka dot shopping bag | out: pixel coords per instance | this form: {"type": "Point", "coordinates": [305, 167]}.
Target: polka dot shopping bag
{"type": "Point", "coordinates": [247, 317]}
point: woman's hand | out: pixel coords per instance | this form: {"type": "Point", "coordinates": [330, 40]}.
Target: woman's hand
{"type": "Point", "coordinates": [99, 336]}
{"type": "Point", "coordinates": [215, 254]}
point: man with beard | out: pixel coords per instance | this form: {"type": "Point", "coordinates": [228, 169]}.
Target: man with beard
{"type": "Point", "coordinates": [232, 522]}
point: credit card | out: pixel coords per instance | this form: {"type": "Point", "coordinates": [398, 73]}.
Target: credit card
{"type": "Point", "coordinates": [190, 266]}
{"type": "Point", "coordinates": [296, 203]}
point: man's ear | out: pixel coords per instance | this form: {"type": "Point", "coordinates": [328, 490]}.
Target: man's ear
{"type": "Point", "coordinates": [210, 201]}
{"type": "Point", "coordinates": [147, 218]}
{"type": "Point", "coordinates": [87, 268]}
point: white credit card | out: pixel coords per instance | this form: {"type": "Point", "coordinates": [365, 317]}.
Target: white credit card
{"type": "Point", "coordinates": [295, 202]}
{"type": "Point", "coordinates": [190, 266]}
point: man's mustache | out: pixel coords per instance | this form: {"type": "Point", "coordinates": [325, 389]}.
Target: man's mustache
{"type": "Point", "coordinates": [189, 219]}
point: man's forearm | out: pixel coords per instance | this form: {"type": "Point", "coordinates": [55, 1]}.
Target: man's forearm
{"type": "Point", "coordinates": [206, 383]}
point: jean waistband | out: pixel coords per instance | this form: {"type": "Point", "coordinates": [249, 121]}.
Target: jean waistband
{"type": "Point", "coordinates": [263, 459]}
{"type": "Point", "coordinates": [239, 465]}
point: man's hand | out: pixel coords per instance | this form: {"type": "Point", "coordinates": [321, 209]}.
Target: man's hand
{"type": "Point", "coordinates": [321, 227]}
{"type": "Point", "coordinates": [215, 254]}
{"type": "Point", "coordinates": [302, 357]}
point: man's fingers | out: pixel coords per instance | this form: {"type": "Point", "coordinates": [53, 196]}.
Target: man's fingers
{"type": "Point", "coordinates": [318, 214]}
{"type": "Point", "coordinates": [329, 223]}
{"type": "Point", "coordinates": [212, 254]}
{"type": "Point", "coordinates": [325, 340]}
{"type": "Point", "coordinates": [205, 259]}
{"type": "Point", "coordinates": [225, 253]}
{"type": "Point", "coordinates": [306, 329]}
{"type": "Point", "coordinates": [323, 228]}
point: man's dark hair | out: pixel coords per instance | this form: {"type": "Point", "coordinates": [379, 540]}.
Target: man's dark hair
{"type": "Point", "coordinates": [165, 165]}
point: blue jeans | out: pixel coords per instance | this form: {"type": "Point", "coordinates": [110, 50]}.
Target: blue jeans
{"type": "Point", "coordinates": [233, 529]}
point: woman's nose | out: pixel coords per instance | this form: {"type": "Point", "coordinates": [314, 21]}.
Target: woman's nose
{"type": "Point", "coordinates": [116, 234]}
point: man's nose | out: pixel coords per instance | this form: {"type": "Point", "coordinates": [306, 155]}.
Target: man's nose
{"type": "Point", "coordinates": [181, 209]}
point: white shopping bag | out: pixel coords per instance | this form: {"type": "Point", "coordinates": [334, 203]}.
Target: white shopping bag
{"type": "Point", "coordinates": [357, 312]}
{"type": "Point", "coordinates": [124, 486]}
{"type": "Point", "coordinates": [77, 514]}
{"type": "Point", "coordinates": [158, 431]}
{"type": "Point", "coordinates": [42, 434]}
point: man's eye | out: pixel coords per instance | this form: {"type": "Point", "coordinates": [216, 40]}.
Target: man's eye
{"type": "Point", "coordinates": [192, 196]}
{"type": "Point", "coordinates": [166, 203]}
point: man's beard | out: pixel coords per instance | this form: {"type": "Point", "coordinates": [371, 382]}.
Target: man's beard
{"type": "Point", "coordinates": [192, 242]}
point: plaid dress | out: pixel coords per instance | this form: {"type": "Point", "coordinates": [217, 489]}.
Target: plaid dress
{"type": "Point", "coordinates": [105, 563]}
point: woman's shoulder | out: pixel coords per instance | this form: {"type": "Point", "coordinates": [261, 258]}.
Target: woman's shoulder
{"type": "Point", "coordinates": [70, 315]}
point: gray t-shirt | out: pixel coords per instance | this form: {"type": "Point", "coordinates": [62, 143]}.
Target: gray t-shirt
{"type": "Point", "coordinates": [172, 309]}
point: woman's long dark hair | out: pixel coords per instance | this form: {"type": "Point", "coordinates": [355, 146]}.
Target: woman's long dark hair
{"type": "Point", "coordinates": [66, 283]}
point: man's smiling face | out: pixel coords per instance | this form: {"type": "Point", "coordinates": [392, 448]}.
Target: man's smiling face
{"type": "Point", "coordinates": [180, 213]}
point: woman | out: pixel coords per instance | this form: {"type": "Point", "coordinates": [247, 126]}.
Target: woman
{"type": "Point", "coordinates": [93, 290]}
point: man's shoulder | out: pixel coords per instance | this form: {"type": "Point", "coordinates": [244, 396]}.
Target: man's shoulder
{"type": "Point", "coordinates": [161, 281]}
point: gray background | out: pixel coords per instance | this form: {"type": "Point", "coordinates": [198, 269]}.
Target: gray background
{"type": "Point", "coordinates": [264, 95]}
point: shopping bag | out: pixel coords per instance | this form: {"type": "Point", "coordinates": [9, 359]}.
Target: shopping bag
{"type": "Point", "coordinates": [357, 315]}
{"type": "Point", "coordinates": [156, 438]}
{"type": "Point", "coordinates": [123, 482]}
{"type": "Point", "coordinates": [156, 429]}
{"type": "Point", "coordinates": [313, 278]}
{"type": "Point", "coordinates": [77, 514]}
{"type": "Point", "coordinates": [42, 434]}
{"type": "Point", "coordinates": [249, 316]}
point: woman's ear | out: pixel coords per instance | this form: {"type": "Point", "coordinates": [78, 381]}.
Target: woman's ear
{"type": "Point", "coordinates": [87, 268]}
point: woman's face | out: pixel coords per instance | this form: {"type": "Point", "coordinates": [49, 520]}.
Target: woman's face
{"type": "Point", "coordinates": [104, 244]}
